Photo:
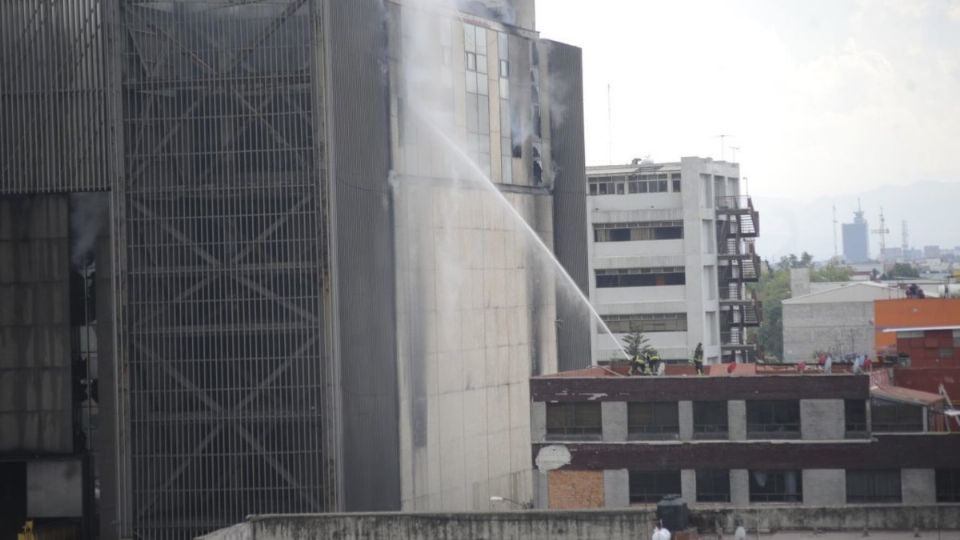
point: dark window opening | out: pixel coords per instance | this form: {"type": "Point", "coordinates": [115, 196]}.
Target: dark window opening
{"type": "Point", "coordinates": [773, 419]}
{"type": "Point", "coordinates": [713, 486]}
{"type": "Point", "coordinates": [855, 417]}
{"type": "Point", "coordinates": [710, 420]}
{"type": "Point", "coordinates": [776, 486]}
{"type": "Point", "coordinates": [654, 420]}
{"type": "Point", "coordinates": [576, 421]}
{"type": "Point", "coordinates": [888, 416]}
{"type": "Point", "coordinates": [676, 186]}
{"type": "Point", "coordinates": [948, 485]}
{"type": "Point", "coordinates": [873, 486]}
{"type": "Point", "coordinates": [646, 323]}
{"type": "Point", "coordinates": [658, 230]}
{"type": "Point", "coordinates": [641, 277]}
{"type": "Point", "coordinates": [653, 486]}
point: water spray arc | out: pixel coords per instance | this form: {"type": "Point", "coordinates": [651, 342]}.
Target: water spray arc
{"type": "Point", "coordinates": [484, 180]}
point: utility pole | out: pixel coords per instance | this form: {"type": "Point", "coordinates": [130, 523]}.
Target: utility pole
{"type": "Point", "coordinates": [904, 238]}
{"type": "Point", "coordinates": [835, 252]}
{"type": "Point", "coordinates": [883, 231]}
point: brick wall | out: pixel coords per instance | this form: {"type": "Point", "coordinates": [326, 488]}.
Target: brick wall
{"type": "Point", "coordinates": [575, 489]}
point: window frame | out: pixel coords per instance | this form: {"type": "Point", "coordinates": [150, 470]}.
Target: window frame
{"type": "Point", "coordinates": [778, 475]}
{"type": "Point", "coordinates": [856, 427]}
{"type": "Point", "coordinates": [868, 478]}
{"type": "Point", "coordinates": [656, 410]}
{"type": "Point", "coordinates": [880, 422]}
{"type": "Point", "coordinates": [947, 485]}
{"type": "Point", "coordinates": [577, 430]}
{"type": "Point", "coordinates": [713, 477]}
{"type": "Point", "coordinates": [773, 427]}
{"type": "Point", "coordinates": [664, 483]}
{"type": "Point", "coordinates": [713, 431]}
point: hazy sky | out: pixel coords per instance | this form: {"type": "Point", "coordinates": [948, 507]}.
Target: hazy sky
{"type": "Point", "coordinates": [821, 96]}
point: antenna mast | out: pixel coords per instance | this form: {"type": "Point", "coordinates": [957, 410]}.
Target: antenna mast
{"type": "Point", "coordinates": [835, 252]}
{"type": "Point", "coordinates": [883, 231]}
{"type": "Point", "coordinates": [609, 127]}
{"type": "Point", "coordinates": [905, 238]}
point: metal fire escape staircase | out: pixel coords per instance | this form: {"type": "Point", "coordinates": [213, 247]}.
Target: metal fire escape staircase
{"type": "Point", "coordinates": [738, 225]}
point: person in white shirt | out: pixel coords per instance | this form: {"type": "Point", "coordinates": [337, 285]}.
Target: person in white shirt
{"type": "Point", "coordinates": [740, 533]}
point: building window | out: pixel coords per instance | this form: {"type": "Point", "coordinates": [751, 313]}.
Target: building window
{"type": "Point", "coordinates": [627, 232]}
{"type": "Point", "coordinates": [710, 420]}
{"type": "Point", "coordinates": [892, 417]}
{"type": "Point", "coordinates": [506, 131]}
{"type": "Point", "coordinates": [641, 277]}
{"type": "Point", "coordinates": [776, 486]}
{"type": "Point", "coordinates": [574, 421]}
{"type": "Point", "coordinates": [653, 486]}
{"type": "Point", "coordinates": [713, 486]}
{"type": "Point", "coordinates": [948, 485]}
{"type": "Point", "coordinates": [873, 486]}
{"type": "Point", "coordinates": [646, 323]}
{"type": "Point", "coordinates": [653, 420]}
{"type": "Point", "coordinates": [855, 417]}
{"type": "Point", "coordinates": [676, 186]}
{"type": "Point", "coordinates": [773, 419]}
{"type": "Point", "coordinates": [477, 94]}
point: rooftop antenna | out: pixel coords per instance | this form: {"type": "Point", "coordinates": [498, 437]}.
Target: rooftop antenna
{"type": "Point", "coordinates": [835, 252]}
{"type": "Point", "coordinates": [723, 146]}
{"type": "Point", "coordinates": [609, 127]}
{"type": "Point", "coordinates": [733, 150]}
{"type": "Point", "coordinates": [883, 231]}
{"type": "Point", "coordinates": [904, 237]}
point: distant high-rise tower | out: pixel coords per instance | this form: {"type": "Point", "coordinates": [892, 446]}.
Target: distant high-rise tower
{"type": "Point", "coordinates": [855, 238]}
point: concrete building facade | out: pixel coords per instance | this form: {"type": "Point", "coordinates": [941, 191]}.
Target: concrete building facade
{"type": "Point", "coordinates": [671, 245]}
{"type": "Point", "coordinates": [308, 301]}
{"type": "Point", "coordinates": [838, 320]}
{"type": "Point", "coordinates": [606, 440]}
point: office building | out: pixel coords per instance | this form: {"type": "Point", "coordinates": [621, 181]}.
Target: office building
{"type": "Point", "coordinates": [297, 300]}
{"type": "Point", "coordinates": [671, 251]}
{"type": "Point", "coordinates": [856, 247]}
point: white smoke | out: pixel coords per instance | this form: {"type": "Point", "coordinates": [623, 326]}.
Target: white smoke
{"type": "Point", "coordinates": [88, 218]}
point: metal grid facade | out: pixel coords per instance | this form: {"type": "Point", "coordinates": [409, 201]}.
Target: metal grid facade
{"type": "Point", "coordinates": [224, 262]}
{"type": "Point", "coordinates": [52, 97]}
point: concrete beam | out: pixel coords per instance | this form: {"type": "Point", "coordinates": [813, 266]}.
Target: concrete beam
{"type": "Point", "coordinates": [739, 487]}
{"type": "Point", "coordinates": [688, 485]}
{"type": "Point", "coordinates": [538, 421]}
{"type": "Point", "coordinates": [616, 488]}
{"type": "Point", "coordinates": [686, 420]}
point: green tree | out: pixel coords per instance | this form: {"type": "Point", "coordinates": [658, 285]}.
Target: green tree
{"type": "Point", "coordinates": [772, 289]}
{"type": "Point", "coordinates": [831, 272]}
{"type": "Point", "coordinates": [902, 270]}
{"type": "Point", "coordinates": [636, 344]}
{"type": "Point", "coordinates": [792, 261]}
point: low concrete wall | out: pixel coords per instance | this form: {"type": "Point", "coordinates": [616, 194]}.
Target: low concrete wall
{"type": "Point", "coordinates": [588, 524]}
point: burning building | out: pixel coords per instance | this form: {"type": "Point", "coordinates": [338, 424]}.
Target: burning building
{"type": "Point", "coordinates": [264, 269]}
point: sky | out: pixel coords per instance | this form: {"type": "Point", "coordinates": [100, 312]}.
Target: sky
{"type": "Point", "coordinates": [821, 97]}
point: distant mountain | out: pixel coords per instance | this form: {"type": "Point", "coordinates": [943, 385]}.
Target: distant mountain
{"type": "Point", "coordinates": [931, 209]}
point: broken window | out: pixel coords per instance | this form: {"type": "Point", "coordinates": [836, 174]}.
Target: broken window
{"type": "Point", "coordinates": [776, 486]}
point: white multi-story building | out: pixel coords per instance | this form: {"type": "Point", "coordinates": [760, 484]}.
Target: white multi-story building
{"type": "Point", "coordinates": [671, 249]}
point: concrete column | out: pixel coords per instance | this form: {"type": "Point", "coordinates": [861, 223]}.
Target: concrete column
{"type": "Point", "coordinates": [737, 419]}
{"type": "Point", "coordinates": [686, 420]}
{"type": "Point", "coordinates": [822, 419]}
{"type": "Point", "coordinates": [614, 418]}
{"type": "Point", "coordinates": [919, 486]}
{"type": "Point", "coordinates": [824, 487]}
{"type": "Point", "coordinates": [538, 421]}
{"type": "Point", "coordinates": [616, 488]}
{"type": "Point", "coordinates": [739, 487]}
{"type": "Point", "coordinates": [688, 485]}
{"type": "Point", "coordinates": [541, 486]}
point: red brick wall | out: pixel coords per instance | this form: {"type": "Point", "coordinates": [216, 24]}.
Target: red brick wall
{"type": "Point", "coordinates": [569, 490]}
{"type": "Point", "coordinates": [926, 352]}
